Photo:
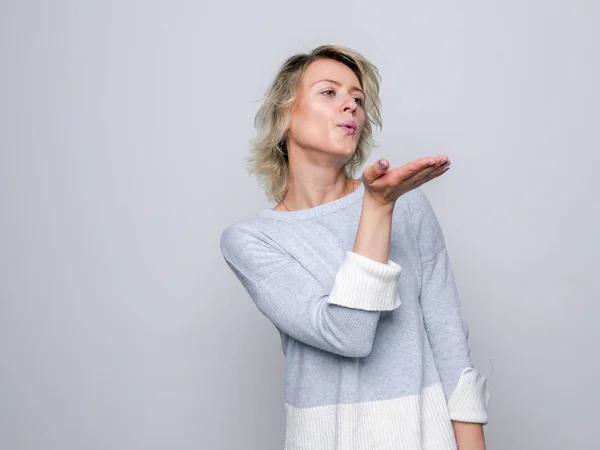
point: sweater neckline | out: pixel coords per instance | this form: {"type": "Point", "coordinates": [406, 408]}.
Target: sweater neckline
{"type": "Point", "coordinates": [318, 210]}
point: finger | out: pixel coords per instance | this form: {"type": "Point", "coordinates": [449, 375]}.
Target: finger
{"type": "Point", "coordinates": [417, 166]}
{"type": "Point", "coordinates": [415, 176]}
{"type": "Point", "coordinates": [414, 168]}
{"type": "Point", "coordinates": [374, 171]}
{"type": "Point", "coordinates": [433, 161]}
{"type": "Point", "coordinates": [432, 168]}
{"type": "Point", "coordinates": [418, 181]}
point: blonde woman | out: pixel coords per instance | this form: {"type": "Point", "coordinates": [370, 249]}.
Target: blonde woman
{"type": "Point", "coordinates": [354, 273]}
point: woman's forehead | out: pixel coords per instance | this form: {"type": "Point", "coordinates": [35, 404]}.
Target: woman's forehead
{"type": "Point", "coordinates": [331, 71]}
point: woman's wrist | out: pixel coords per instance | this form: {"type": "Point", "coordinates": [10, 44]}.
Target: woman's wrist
{"type": "Point", "coordinates": [373, 206]}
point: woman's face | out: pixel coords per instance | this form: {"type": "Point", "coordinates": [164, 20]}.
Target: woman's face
{"type": "Point", "coordinates": [328, 115]}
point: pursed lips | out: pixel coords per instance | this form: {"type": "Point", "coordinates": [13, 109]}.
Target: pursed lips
{"type": "Point", "coordinates": [349, 127]}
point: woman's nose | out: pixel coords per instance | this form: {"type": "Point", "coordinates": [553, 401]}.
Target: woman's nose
{"type": "Point", "coordinates": [349, 104]}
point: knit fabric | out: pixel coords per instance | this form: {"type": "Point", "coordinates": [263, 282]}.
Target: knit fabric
{"type": "Point", "coordinates": [376, 355]}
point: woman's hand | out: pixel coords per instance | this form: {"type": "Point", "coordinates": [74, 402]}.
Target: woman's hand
{"type": "Point", "coordinates": [385, 186]}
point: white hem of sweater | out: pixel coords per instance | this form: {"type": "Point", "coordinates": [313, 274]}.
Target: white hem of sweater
{"type": "Point", "coordinates": [470, 399]}
{"type": "Point", "coordinates": [416, 422]}
{"type": "Point", "coordinates": [363, 283]}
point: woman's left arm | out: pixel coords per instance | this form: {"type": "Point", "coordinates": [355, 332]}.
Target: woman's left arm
{"type": "Point", "coordinates": [466, 389]}
{"type": "Point", "coordinates": [469, 436]}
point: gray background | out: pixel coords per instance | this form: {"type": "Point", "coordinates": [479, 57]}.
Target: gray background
{"type": "Point", "coordinates": [124, 127]}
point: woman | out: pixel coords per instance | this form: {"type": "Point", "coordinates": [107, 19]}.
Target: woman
{"type": "Point", "coordinates": [354, 273]}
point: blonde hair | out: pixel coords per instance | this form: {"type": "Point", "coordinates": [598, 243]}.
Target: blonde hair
{"type": "Point", "coordinates": [269, 159]}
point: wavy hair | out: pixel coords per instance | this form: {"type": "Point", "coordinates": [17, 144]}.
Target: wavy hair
{"type": "Point", "coordinates": [268, 160]}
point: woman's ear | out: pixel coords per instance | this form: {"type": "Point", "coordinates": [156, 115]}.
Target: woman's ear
{"type": "Point", "coordinates": [287, 120]}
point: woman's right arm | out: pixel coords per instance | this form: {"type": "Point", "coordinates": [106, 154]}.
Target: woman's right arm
{"type": "Point", "coordinates": [344, 320]}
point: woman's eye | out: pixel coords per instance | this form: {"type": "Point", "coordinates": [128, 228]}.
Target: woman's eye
{"type": "Point", "coordinates": [330, 92]}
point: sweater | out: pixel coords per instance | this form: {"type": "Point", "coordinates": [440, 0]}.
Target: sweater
{"type": "Point", "coordinates": [376, 355]}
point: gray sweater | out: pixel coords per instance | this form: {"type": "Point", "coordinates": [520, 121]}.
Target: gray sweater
{"type": "Point", "coordinates": [376, 355]}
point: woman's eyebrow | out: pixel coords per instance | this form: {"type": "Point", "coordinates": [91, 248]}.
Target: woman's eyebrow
{"type": "Point", "coordinates": [337, 83]}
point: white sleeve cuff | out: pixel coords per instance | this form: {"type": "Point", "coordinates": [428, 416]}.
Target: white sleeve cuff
{"type": "Point", "coordinates": [363, 283]}
{"type": "Point", "coordinates": [470, 399]}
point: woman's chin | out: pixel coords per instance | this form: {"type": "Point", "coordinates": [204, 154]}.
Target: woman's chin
{"type": "Point", "coordinates": [348, 150]}
{"type": "Point", "coordinates": [344, 148]}
{"type": "Point", "coordinates": [341, 149]}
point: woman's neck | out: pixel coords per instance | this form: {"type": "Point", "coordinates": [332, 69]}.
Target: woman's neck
{"type": "Point", "coordinates": [304, 194]}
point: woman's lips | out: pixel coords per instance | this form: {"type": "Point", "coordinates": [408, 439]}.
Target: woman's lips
{"type": "Point", "coordinates": [348, 130]}
{"type": "Point", "coordinates": [348, 127]}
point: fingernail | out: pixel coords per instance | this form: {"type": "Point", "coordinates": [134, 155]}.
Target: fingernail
{"type": "Point", "coordinates": [443, 161]}
{"type": "Point", "coordinates": [382, 165]}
